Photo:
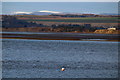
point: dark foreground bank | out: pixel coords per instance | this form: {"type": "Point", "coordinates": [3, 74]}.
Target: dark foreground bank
{"type": "Point", "coordinates": [60, 36]}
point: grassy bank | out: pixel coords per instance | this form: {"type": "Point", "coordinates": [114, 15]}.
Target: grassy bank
{"type": "Point", "coordinates": [81, 20]}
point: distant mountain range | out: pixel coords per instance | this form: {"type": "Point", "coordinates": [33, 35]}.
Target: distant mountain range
{"type": "Point", "coordinates": [46, 12]}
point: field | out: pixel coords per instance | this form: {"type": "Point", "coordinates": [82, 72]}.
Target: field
{"type": "Point", "coordinates": [72, 20]}
{"type": "Point", "coordinates": [50, 20]}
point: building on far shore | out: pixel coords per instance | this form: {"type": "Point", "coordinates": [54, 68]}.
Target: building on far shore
{"type": "Point", "coordinates": [111, 28]}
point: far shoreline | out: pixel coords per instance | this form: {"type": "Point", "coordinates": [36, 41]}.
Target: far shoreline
{"type": "Point", "coordinates": [62, 39]}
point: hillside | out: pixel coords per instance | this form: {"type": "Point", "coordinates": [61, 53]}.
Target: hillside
{"type": "Point", "coordinates": [12, 21]}
{"type": "Point", "coordinates": [48, 23]}
{"type": "Point", "coordinates": [103, 21]}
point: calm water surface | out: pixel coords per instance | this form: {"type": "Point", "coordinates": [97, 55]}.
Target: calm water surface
{"type": "Point", "coordinates": [44, 59]}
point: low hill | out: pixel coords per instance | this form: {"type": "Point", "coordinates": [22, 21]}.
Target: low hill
{"type": "Point", "coordinates": [11, 21]}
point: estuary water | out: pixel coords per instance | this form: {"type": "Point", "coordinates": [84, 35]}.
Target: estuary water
{"type": "Point", "coordinates": [23, 58]}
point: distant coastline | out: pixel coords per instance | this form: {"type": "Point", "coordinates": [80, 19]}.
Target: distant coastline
{"type": "Point", "coordinates": [74, 23]}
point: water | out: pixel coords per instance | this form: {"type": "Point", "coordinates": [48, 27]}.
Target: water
{"type": "Point", "coordinates": [53, 33]}
{"type": "Point", "coordinates": [24, 58]}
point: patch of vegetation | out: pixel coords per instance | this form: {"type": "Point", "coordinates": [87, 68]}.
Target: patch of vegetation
{"type": "Point", "coordinates": [81, 20]}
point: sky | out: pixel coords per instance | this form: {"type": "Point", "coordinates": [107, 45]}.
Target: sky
{"type": "Point", "coordinates": [69, 7]}
{"type": "Point", "coordinates": [60, 0]}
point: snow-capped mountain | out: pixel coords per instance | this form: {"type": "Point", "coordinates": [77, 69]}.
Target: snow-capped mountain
{"type": "Point", "coordinates": [22, 12]}
{"type": "Point", "coordinates": [44, 12]}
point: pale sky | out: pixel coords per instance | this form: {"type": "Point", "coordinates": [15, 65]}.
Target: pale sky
{"type": "Point", "coordinates": [59, 0]}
